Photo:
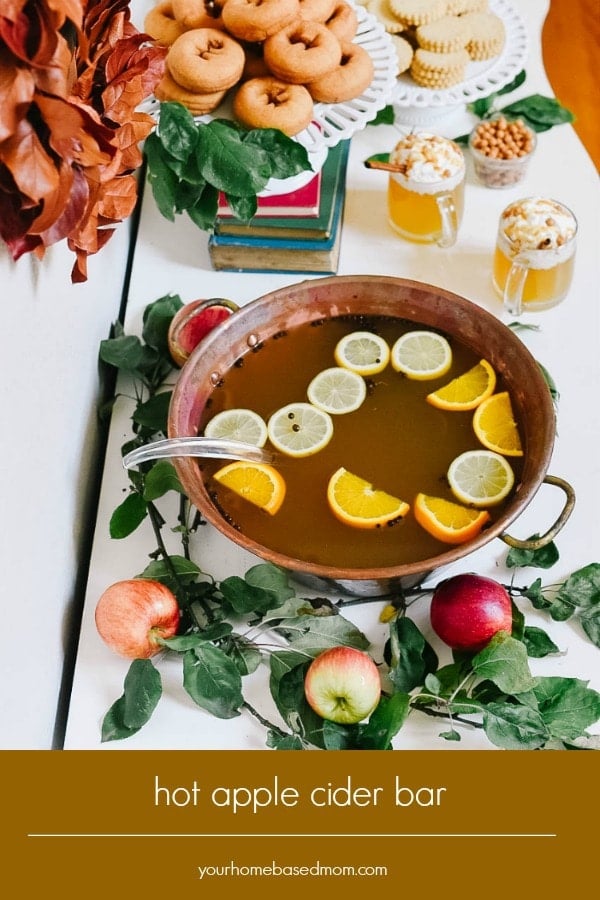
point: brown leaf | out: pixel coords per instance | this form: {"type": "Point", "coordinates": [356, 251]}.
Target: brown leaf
{"type": "Point", "coordinates": [71, 215]}
{"type": "Point", "coordinates": [34, 172]}
{"type": "Point", "coordinates": [16, 91]}
{"type": "Point", "coordinates": [75, 133]}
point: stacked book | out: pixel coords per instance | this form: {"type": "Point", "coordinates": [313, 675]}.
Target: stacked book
{"type": "Point", "coordinates": [295, 232]}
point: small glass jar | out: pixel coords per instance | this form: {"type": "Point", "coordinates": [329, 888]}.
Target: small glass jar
{"type": "Point", "coordinates": [501, 151]}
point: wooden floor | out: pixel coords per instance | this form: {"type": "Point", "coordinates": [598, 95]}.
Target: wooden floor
{"type": "Point", "coordinates": [571, 52]}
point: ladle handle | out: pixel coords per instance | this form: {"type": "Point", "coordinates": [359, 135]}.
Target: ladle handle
{"type": "Point", "coordinates": [195, 446]}
{"type": "Point", "coordinates": [543, 539]}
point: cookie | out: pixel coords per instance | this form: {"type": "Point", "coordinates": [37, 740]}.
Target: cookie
{"type": "Point", "coordinates": [445, 35]}
{"type": "Point", "coordinates": [404, 52]}
{"type": "Point", "coordinates": [487, 35]}
{"type": "Point", "coordinates": [439, 70]}
{"type": "Point", "coordinates": [418, 12]}
{"type": "Point", "coordinates": [382, 11]}
{"type": "Point", "coordinates": [460, 7]}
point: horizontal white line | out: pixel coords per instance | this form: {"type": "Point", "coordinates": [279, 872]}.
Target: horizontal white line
{"type": "Point", "coordinates": [296, 835]}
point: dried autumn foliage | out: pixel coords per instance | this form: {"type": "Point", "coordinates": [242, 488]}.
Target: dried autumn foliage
{"type": "Point", "coordinates": [72, 74]}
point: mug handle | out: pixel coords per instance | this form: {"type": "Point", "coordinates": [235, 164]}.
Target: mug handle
{"type": "Point", "coordinates": [447, 208]}
{"type": "Point", "coordinates": [550, 534]}
{"type": "Point", "coordinates": [513, 288]}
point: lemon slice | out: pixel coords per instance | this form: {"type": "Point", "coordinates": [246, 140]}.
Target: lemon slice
{"type": "Point", "coordinates": [495, 426]}
{"type": "Point", "coordinates": [362, 352]}
{"type": "Point", "coordinates": [355, 501]}
{"type": "Point", "coordinates": [480, 478]}
{"type": "Point", "coordinates": [258, 483]}
{"type": "Point", "coordinates": [466, 391]}
{"type": "Point", "coordinates": [449, 522]}
{"type": "Point", "coordinates": [421, 355]}
{"type": "Point", "coordinates": [238, 425]}
{"type": "Point", "coordinates": [300, 429]}
{"type": "Point", "coordinates": [337, 390]}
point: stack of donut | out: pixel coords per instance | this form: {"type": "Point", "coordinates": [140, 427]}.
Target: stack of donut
{"type": "Point", "coordinates": [279, 56]}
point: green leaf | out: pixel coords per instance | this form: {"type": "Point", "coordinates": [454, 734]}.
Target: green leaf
{"type": "Point", "coordinates": [286, 157]}
{"type": "Point", "coordinates": [161, 570]}
{"type": "Point", "coordinates": [582, 588]}
{"type": "Point", "coordinates": [517, 81]}
{"type": "Point", "coordinates": [384, 722]}
{"type": "Point", "coordinates": [385, 116]}
{"type": "Point", "coordinates": [482, 107]}
{"type": "Point", "coordinates": [338, 736]}
{"type": "Point", "coordinates": [228, 163]}
{"type": "Point", "coordinates": [160, 479]}
{"type": "Point", "coordinates": [246, 657]}
{"type": "Point", "coordinates": [278, 741]}
{"type": "Point", "coordinates": [177, 131]}
{"type": "Point", "coordinates": [288, 693]}
{"type": "Point", "coordinates": [590, 622]}
{"type": "Point", "coordinates": [243, 208]}
{"type": "Point", "coordinates": [412, 657]}
{"type": "Point", "coordinates": [567, 706]}
{"type": "Point", "coordinates": [554, 392]}
{"type": "Point", "coordinates": [514, 727]}
{"type": "Point", "coordinates": [212, 680]}
{"type": "Point", "coordinates": [124, 352]}
{"type": "Point", "coordinates": [377, 157]}
{"type": "Point", "coordinates": [518, 621]}
{"type": "Point", "coordinates": [538, 643]}
{"type": "Point", "coordinates": [153, 413]}
{"type": "Point", "coordinates": [244, 598]}
{"type": "Point", "coordinates": [142, 690]}
{"type": "Point", "coordinates": [451, 735]}
{"type": "Point", "coordinates": [204, 209]}
{"type": "Point", "coordinates": [156, 320]}
{"type": "Point", "coordinates": [543, 558]}
{"type": "Point", "coordinates": [504, 662]}
{"type": "Point", "coordinates": [271, 578]}
{"type": "Point", "coordinates": [536, 595]}
{"type": "Point", "coordinates": [161, 178]}
{"type": "Point", "coordinates": [314, 633]}
{"type": "Point", "coordinates": [127, 516]}
{"type": "Point", "coordinates": [541, 112]}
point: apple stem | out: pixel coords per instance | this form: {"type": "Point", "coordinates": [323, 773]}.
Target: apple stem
{"type": "Point", "coordinates": [254, 712]}
{"type": "Point", "coordinates": [437, 714]}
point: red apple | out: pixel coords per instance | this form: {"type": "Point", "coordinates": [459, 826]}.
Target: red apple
{"type": "Point", "coordinates": [342, 684]}
{"type": "Point", "coordinates": [131, 615]}
{"type": "Point", "coordinates": [467, 611]}
{"type": "Point", "coordinates": [192, 322]}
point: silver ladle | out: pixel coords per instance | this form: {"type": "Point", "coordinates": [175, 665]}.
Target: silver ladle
{"type": "Point", "coordinates": [196, 446]}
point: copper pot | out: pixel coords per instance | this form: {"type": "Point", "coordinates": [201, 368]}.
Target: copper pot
{"type": "Point", "coordinates": [423, 304]}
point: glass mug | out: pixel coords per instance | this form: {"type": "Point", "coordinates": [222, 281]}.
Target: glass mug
{"type": "Point", "coordinates": [425, 196]}
{"type": "Point", "coordinates": [534, 256]}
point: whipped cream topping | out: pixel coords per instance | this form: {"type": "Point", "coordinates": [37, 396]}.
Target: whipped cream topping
{"type": "Point", "coordinates": [425, 160]}
{"type": "Point", "coordinates": [537, 223]}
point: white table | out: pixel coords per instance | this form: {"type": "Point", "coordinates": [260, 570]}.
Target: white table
{"type": "Point", "coordinates": [173, 258]}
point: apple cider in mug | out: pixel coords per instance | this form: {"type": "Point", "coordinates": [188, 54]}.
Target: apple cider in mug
{"type": "Point", "coordinates": [535, 254]}
{"type": "Point", "coordinates": [426, 195]}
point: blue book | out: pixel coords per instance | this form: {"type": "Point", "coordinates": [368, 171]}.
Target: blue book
{"type": "Point", "coordinates": [272, 254]}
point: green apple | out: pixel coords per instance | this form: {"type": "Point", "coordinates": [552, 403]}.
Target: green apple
{"type": "Point", "coordinates": [342, 684]}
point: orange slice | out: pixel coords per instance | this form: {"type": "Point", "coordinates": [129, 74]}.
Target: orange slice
{"type": "Point", "coordinates": [495, 426]}
{"type": "Point", "coordinates": [466, 391]}
{"type": "Point", "coordinates": [356, 502]}
{"type": "Point", "coordinates": [258, 483]}
{"type": "Point", "coordinates": [448, 522]}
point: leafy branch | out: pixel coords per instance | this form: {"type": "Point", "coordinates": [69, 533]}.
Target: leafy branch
{"type": "Point", "coordinates": [189, 163]}
{"type": "Point", "coordinates": [493, 689]}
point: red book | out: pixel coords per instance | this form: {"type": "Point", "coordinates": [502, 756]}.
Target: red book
{"type": "Point", "coordinates": [302, 202]}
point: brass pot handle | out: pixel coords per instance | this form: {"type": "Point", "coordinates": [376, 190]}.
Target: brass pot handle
{"type": "Point", "coordinates": [542, 540]}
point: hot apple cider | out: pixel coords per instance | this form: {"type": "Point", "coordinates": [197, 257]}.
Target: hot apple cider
{"type": "Point", "coordinates": [395, 440]}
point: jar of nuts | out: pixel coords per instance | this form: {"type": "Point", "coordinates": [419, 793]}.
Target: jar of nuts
{"type": "Point", "coordinates": [501, 149]}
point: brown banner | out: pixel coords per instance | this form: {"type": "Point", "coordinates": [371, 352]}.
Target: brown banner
{"type": "Point", "coordinates": [99, 824]}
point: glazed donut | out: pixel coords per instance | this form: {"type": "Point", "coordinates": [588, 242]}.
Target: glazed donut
{"type": "Point", "coordinates": [198, 104]}
{"type": "Point", "coordinates": [343, 21]}
{"type": "Point", "coordinates": [256, 20]}
{"type": "Point", "coordinates": [353, 76]}
{"type": "Point", "coordinates": [270, 103]}
{"type": "Point", "coordinates": [316, 10]}
{"type": "Point", "coordinates": [302, 52]}
{"type": "Point", "coordinates": [160, 23]}
{"type": "Point", "coordinates": [205, 60]}
{"type": "Point", "coordinates": [199, 13]}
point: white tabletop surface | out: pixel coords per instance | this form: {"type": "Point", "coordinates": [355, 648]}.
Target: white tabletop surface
{"type": "Point", "coordinates": [173, 258]}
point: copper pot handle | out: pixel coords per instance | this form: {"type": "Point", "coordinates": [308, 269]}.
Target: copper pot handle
{"type": "Point", "coordinates": [543, 539]}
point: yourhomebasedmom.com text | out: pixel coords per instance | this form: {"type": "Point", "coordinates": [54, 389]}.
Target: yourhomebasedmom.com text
{"type": "Point", "coordinates": [342, 793]}
{"type": "Point", "coordinates": [274, 870]}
